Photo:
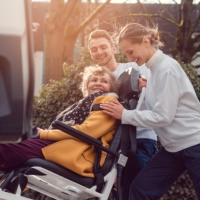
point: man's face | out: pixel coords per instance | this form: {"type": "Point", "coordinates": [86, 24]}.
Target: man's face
{"type": "Point", "coordinates": [101, 51]}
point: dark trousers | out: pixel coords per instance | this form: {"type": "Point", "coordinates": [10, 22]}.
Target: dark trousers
{"type": "Point", "coordinates": [146, 149]}
{"type": "Point", "coordinates": [162, 170]}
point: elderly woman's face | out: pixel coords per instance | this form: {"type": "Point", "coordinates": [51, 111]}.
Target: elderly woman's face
{"type": "Point", "coordinates": [99, 83]}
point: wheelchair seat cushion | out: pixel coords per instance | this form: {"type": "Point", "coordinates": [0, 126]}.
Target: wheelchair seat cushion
{"type": "Point", "coordinates": [57, 169]}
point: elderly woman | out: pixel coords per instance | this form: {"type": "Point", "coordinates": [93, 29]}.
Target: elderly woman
{"type": "Point", "coordinates": [62, 148]}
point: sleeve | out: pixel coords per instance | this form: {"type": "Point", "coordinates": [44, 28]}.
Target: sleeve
{"type": "Point", "coordinates": [164, 110]}
{"type": "Point", "coordinates": [96, 125]}
{"type": "Point", "coordinates": [54, 135]}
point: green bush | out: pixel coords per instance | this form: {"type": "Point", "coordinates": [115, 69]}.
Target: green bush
{"type": "Point", "coordinates": [182, 189]}
{"type": "Point", "coordinates": [120, 58]}
{"type": "Point", "coordinates": [191, 72]}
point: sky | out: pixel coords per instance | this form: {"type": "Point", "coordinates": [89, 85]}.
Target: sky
{"type": "Point", "coordinates": [130, 1]}
{"type": "Point", "coordinates": [134, 1]}
{"type": "Point", "coordinates": [144, 1]}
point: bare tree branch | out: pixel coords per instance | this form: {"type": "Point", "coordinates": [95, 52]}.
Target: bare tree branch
{"type": "Point", "coordinates": [196, 38]}
{"type": "Point", "coordinates": [145, 11]}
{"type": "Point", "coordinates": [167, 11]}
{"type": "Point", "coordinates": [92, 16]}
{"type": "Point", "coordinates": [150, 15]}
{"type": "Point", "coordinates": [69, 9]}
{"type": "Point", "coordinates": [169, 34]}
{"type": "Point", "coordinates": [196, 23]}
{"type": "Point", "coordinates": [163, 36]}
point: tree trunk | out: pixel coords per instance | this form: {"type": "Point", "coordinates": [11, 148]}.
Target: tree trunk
{"type": "Point", "coordinates": [183, 42]}
{"type": "Point", "coordinates": [59, 14]}
{"type": "Point", "coordinates": [68, 55]}
{"type": "Point", "coordinates": [53, 58]}
{"type": "Point", "coordinates": [70, 37]}
{"type": "Point", "coordinates": [65, 22]}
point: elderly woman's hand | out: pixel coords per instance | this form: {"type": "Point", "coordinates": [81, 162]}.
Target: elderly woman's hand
{"type": "Point", "coordinates": [39, 130]}
{"type": "Point", "coordinates": [113, 109]}
{"type": "Point", "coordinates": [142, 83]}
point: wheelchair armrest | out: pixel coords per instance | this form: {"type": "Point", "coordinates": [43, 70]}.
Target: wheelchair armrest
{"type": "Point", "coordinates": [82, 136]}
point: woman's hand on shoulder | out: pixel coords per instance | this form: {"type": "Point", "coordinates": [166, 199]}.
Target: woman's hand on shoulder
{"type": "Point", "coordinates": [113, 109]}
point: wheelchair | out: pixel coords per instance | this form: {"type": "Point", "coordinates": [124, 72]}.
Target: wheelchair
{"type": "Point", "coordinates": [60, 183]}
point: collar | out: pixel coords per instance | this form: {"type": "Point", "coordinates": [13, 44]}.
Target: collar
{"type": "Point", "coordinates": [153, 59]}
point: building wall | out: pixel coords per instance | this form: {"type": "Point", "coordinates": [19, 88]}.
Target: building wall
{"type": "Point", "coordinates": [38, 72]}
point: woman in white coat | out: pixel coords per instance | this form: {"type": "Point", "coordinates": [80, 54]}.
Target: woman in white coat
{"type": "Point", "coordinates": [173, 112]}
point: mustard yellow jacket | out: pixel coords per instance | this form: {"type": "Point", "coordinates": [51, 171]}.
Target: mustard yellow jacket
{"type": "Point", "coordinates": [75, 155]}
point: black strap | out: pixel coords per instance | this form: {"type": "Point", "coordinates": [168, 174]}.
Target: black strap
{"type": "Point", "coordinates": [96, 107]}
{"type": "Point", "coordinates": [97, 170]}
{"type": "Point", "coordinates": [128, 137]}
{"type": "Point", "coordinates": [125, 139]}
{"type": "Point", "coordinates": [132, 135]}
{"type": "Point", "coordinates": [130, 130]}
{"type": "Point", "coordinates": [8, 177]}
{"type": "Point", "coordinates": [23, 180]}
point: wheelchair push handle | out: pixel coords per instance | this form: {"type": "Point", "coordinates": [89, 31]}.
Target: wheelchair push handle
{"type": "Point", "coordinates": [142, 95]}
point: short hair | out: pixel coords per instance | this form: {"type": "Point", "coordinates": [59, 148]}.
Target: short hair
{"type": "Point", "coordinates": [135, 33]}
{"type": "Point", "coordinates": [101, 34]}
{"type": "Point", "coordinates": [97, 70]}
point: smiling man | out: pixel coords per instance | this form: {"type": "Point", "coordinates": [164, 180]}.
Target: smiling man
{"type": "Point", "coordinates": [102, 50]}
